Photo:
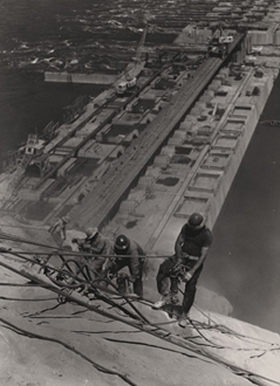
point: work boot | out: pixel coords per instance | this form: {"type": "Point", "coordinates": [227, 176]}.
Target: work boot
{"type": "Point", "coordinates": [161, 302]}
{"type": "Point", "coordinates": [183, 321]}
{"type": "Point", "coordinates": [131, 295]}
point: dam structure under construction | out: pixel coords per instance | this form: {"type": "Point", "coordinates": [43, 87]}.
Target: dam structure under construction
{"type": "Point", "coordinates": [160, 142]}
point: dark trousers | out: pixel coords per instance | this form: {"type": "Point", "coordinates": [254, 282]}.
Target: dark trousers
{"type": "Point", "coordinates": [94, 265]}
{"type": "Point", "coordinates": [138, 284]}
{"type": "Point", "coordinates": [167, 282]}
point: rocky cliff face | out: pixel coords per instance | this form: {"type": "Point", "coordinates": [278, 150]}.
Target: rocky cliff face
{"type": "Point", "coordinates": [46, 342]}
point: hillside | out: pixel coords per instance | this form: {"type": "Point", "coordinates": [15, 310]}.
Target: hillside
{"type": "Point", "coordinates": [44, 342]}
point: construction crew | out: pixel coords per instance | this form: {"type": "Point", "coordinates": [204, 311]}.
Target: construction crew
{"type": "Point", "coordinates": [191, 248]}
{"type": "Point", "coordinates": [58, 230]}
{"type": "Point", "coordinates": [97, 245]}
{"type": "Point", "coordinates": [134, 261]}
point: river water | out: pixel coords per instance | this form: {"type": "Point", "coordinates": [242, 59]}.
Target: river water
{"type": "Point", "coordinates": [70, 35]}
{"type": "Point", "coordinates": [244, 263]}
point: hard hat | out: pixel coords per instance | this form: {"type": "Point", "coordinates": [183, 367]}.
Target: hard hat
{"type": "Point", "coordinates": [122, 243]}
{"type": "Point", "coordinates": [65, 219]}
{"type": "Point", "coordinates": [197, 220]}
{"type": "Point", "coordinates": [91, 232]}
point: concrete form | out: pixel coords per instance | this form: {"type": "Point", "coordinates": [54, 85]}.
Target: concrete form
{"type": "Point", "coordinates": [66, 77]}
{"type": "Point", "coordinates": [95, 140]}
{"type": "Point", "coordinates": [160, 209]}
{"type": "Point", "coordinates": [141, 152]}
{"type": "Point", "coordinates": [111, 126]}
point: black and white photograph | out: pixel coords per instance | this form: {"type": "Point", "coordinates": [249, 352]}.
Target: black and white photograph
{"type": "Point", "coordinates": [139, 193]}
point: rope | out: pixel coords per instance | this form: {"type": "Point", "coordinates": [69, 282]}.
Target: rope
{"type": "Point", "coordinates": [18, 285]}
{"type": "Point", "coordinates": [65, 252]}
{"type": "Point", "coordinates": [26, 300]}
{"type": "Point", "coordinates": [127, 300]}
{"type": "Point", "coordinates": [230, 332]}
{"type": "Point", "coordinates": [6, 236]}
{"type": "Point", "coordinates": [93, 285]}
{"type": "Point", "coordinates": [226, 330]}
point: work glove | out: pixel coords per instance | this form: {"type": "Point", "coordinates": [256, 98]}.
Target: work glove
{"type": "Point", "coordinates": [187, 277]}
{"type": "Point", "coordinates": [105, 267]}
{"type": "Point", "coordinates": [177, 268]}
{"type": "Point", "coordinates": [132, 279]}
{"type": "Point", "coordinates": [86, 247]}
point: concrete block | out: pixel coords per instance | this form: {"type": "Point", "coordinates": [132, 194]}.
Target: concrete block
{"type": "Point", "coordinates": [28, 195]}
{"type": "Point", "coordinates": [162, 161]}
{"type": "Point", "coordinates": [168, 150]}
{"type": "Point", "coordinates": [205, 182]}
{"type": "Point", "coordinates": [215, 85]}
{"type": "Point", "coordinates": [175, 141]}
{"type": "Point", "coordinates": [263, 37]}
{"type": "Point", "coordinates": [188, 205]}
{"type": "Point", "coordinates": [205, 98]}
{"type": "Point", "coordinates": [55, 200]}
{"type": "Point", "coordinates": [145, 181]}
{"type": "Point", "coordinates": [211, 93]}
{"type": "Point", "coordinates": [180, 134]}
{"type": "Point", "coordinates": [153, 171]}
{"type": "Point", "coordinates": [201, 105]}
{"type": "Point", "coordinates": [277, 38]}
{"type": "Point", "coordinates": [196, 111]}
{"type": "Point", "coordinates": [185, 126]}
{"type": "Point", "coordinates": [128, 206]}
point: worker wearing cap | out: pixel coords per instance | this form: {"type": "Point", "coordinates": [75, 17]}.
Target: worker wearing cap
{"type": "Point", "coordinates": [123, 247]}
{"type": "Point", "coordinates": [97, 245]}
{"type": "Point", "coordinates": [58, 230]}
{"type": "Point", "coordinates": [191, 248]}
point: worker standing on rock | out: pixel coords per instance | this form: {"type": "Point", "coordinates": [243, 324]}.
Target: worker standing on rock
{"type": "Point", "coordinates": [58, 230]}
{"type": "Point", "coordinates": [134, 261]}
{"type": "Point", "coordinates": [97, 245]}
{"type": "Point", "coordinates": [191, 248]}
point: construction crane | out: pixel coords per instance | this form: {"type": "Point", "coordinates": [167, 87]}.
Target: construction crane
{"type": "Point", "coordinates": [219, 42]}
{"type": "Point", "coordinates": [141, 44]}
{"type": "Point", "coordinates": [131, 74]}
{"type": "Point", "coordinates": [128, 83]}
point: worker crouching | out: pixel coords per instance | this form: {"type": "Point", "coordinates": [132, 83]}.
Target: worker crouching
{"type": "Point", "coordinates": [128, 253]}
{"type": "Point", "coordinates": [96, 245]}
{"type": "Point", "coordinates": [191, 248]}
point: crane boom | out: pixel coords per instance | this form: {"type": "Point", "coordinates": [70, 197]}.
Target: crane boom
{"type": "Point", "coordinates": [141, 44]}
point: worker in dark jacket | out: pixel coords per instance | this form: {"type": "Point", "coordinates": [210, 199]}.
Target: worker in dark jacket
{"type": "Point", "coordinates": [134, 261]}
{"type": "Point", "coordinates": [191, 248]}
{"type": "Point", "coordinates": [97, 245]}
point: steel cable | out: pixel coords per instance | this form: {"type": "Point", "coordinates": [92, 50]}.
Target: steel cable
{"type": "Point", "coordinates": [159, 332]}
{"type": "Point", "coordinates": [96, 287]}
